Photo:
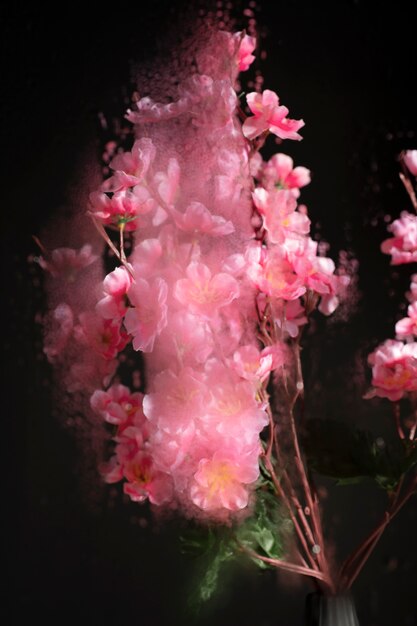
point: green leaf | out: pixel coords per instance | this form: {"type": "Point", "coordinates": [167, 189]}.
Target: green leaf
{"type": "Point", "coordinates": [263, 532]}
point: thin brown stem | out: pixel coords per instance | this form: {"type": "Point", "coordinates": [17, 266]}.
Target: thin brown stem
{"type": "Point", "coordinates": [354, 564]}
{"type": "Point", "coordinates": [289, 567]}
{"type": "Point", "coordinates": [409, 189]}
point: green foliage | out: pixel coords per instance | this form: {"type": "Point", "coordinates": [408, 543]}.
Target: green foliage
{"type": "Point", "coordinates": [349, 455]}
{"type": "Point", "coordinates": [216, 548]}
{"type": "Point", "coordinates": [263, 532]}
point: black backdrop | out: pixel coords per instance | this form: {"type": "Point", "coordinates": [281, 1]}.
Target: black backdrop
{"type": "Point", "coordinates": [348, 69]}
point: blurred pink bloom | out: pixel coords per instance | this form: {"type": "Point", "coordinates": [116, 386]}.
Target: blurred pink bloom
{"type": "Point", "coordinates": [410, 160]}
{"type": "Point", "coordinates": [289, 316]}
{"type": "Point", "coordinates": [412, 293]}
{"type": "Point", "coordinates": [104, 336]}
{"type": "Point", "coordinates": [244, 56]}
{"type": "Point", "coordinates": [117, 405]}
{"type": "Point", "coordinates": [268, 115]}
{"type": "Point", "coordinates": [66, 262]}
{"type": "Point", "coordinates": [167, 183]}
{"type": "Point", "coordinates": [252, 364]}
{"type": "Point", "coordinates": [59, 332]}
{"type": "Point", "coordinates": [198, 219]}
{"type": "Point", "coordinates": [394, 370]}
{"type": "Point", "coordinates": [220, 481]}
{"type": "Point", "coordinates": [131, 167]}
{"type": "Point", "coordinates": [176, 400]}
{"type": "Point", "coordinates": [188, 339]}
{"type": "Point", "coordinates": [279, 172]}
{"type": "Point", "coordinates": [115, 286]}
{"type": "Point", "coordinates": [403, 246]}
{"type": "Point", "coordinates": [203, 293]}
{"type": "Point", "coordinates": [149, 316]}
{"type": "Point", "coordinates": [407, 327]}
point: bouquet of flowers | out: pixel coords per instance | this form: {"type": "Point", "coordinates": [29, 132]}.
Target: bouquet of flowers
{"type": "Point", "coordinates": [189, 349]}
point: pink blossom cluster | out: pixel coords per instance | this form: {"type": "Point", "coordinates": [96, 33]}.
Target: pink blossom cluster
{"type": "Point", "coordinates": [403, 245]}
{"type": "Point", "coordinates": [286, 264]}
{"type": "Point", "coordinates": [394, 362]}
{"type": "Point", "coordinates": [212, 254]}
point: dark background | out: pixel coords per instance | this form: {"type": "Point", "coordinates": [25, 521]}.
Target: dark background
{"type": "Point", "coordinates": [347, 68]}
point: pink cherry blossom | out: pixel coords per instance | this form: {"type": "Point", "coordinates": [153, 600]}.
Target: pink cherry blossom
{"type": "Point", "coordinates": [220, 481]}
{"type": "Point", "coordinates": [289, 316]}
{"type": "Point", "coordinates": [280, 217]}
{"type": "Point", "coordinates": [203, 293]}
{"type": "Point", "coordinates": [274, 275]}
{"type": "Point", "coordinates": [410, 160]}
{"type": "Point", "coordinates": [394, 370]}
{"type": "Point", "coordinates": [67, 262]}
{"type": "Point", "coordinates": [403, 246]}
{"type": "Point", "coordinates": [104, 336]}
{"type": "Point", "coordinates": [244, 56]}
{"type": "Point", "coordinates": [198, 219]}
{"type": "Point", "coordinates": [145, 482]}
{"type": "Point", "coordinates": [187, 340]}
{"type": "Point", "coordinates": [131, 167]}
{"type": "Point", "coordinates": [407, 327]}
{"type": "Point", "coordinates": [176, 400]}
{"type": "Point", "coordinates": [115, 287]}
{"type": "Point", "coordinates": [252, 364]}
{"type": "Point", "coordinates": [167, 182]}
{"type": "Point", "coordinates": [279, 172]}
{"type": "Point", "coordinates": [316, 272]}
{"type": "Point", "coordinates": [123, 208]}
{"type": "Point", "coordinates": [268, 115]}
{"type": "Point", "coordinates": [149, 316]}
{"type": "Point", "coordinates": [117, 405]}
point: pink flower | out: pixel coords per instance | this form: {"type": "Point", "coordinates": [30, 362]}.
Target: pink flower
{"type": "Point", "coordinates": [145, 482]}
{"type": "Point", "coordinates": [244, 56]}
{"type": "Point", "coordinates": [274, 275]}
{"type": "Point", "coordinates": [67, 262]}
{"type": "Point", "coordinates": [394, 370]}
{"type": "Point", "coordinates": [167, 182]}
{"type": "Point", "coordinates": [115, 286]}
{"type": "Point", "coordinates": [289, 316]}
{"type": "Point", "coordinates": [123, 208]}
{"type": "Point", "coordinates": [187, 340]}
{"type": "Point", "coordinates": [149, 316]}
{"type": "Point", "coordinates": [279, 172]}
{"type": "Point", "coordinates": [403, 246]}
{"type": "Point", "coordinates": [407, 327]}
{"type": "Point", "coordinates": [220, 481]}
{"type": "Point", "coordinates": [281, 219]}
{"type": "Point", "coordinates": [59, 332]}
{"type": "Point", "coordinates": [105, 337]}
{"type": "Point", "coordinates": [204, 294]}
{"type": "Point", "coordinates": [316, 272]}
{"type": "Point", "coordinates": [176, 400]}
{"type": "Point", "coordinates": [198, 219]}
{"type": "Point", "coordinates": [410, 160]}
{"type": "Point", "coordinates": [252, 364]}
{"type": "Point", "coordinates": [268, 115]}
{"type": "Point", "coordinates": [117, 405]}
{"type": "Point", "coordinates": [131, 167]}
